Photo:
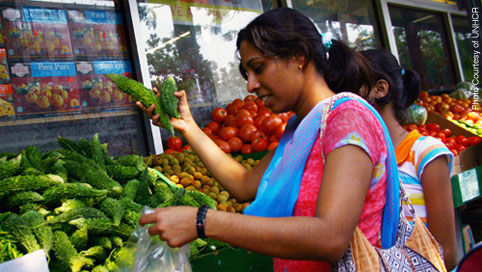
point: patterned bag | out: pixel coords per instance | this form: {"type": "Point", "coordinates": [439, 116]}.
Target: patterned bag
{"type": "Point", "coordinates": [414, 249]}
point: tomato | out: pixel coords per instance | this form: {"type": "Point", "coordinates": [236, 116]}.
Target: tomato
{"type": "Point", "coordinates": [214, 126]}
{"type": "Point", "coordinates": [250, 97]}
{"type": "Point", "coordinates": [270, 123]}
{"type": "Point", "coordinates": [259, 144]}
{"type": "Point", "coordinates": [244, 119]}
{"type": "Point", "coordinates": [264, 111]}
{"type": "Point", "coordinates": [279, 130]}
{"type": "Point", "coordinates": [447, 132]}
{"type": "Point", "coordinates": [218, 114]}
{"type": "Point", "coordinates": [411, 127]}
{"type": "Point", "coordinates": [459, 147]}
{"type": "Point", "coordinates": [474, 140]}
{"type": "Point", "coordinates": [259, 103]}
{"type": "Point", "coordinates": [186, 147]}
{"type": "Point", "coordinates": [456, 108]}
{"type": "Point", "coordinates": [273, 138]}
{"type": "Point", "coordinates": [450, 140]}
{"type": "Point", "coordinates": [433, 127]}
{"type": "Point", "coordinates": [208, 132]}
{"type": "Point", "coordinates": [223, 145]}
{"type": "Point", "coordinates": [258, 121]}
{"type": "Point", "coordinates": [441, 136]}
{"type": "Point", "coordinates": [455, 152]}
{"type": "Point", "coordinates": [174, 142]}
{"type": "Point", "coordinates": [258, 134]}
{"type": "Point", "coordinates": [235, 143]}
{"type": "Point", "coordinates": [460, 138]}
{"type": "Point", "coordinates": [170, 151]}
{"type": "Point", "coordinates": [423, 94]}
{"type": "Point", "coordinates": [432, 133]}
{"type": "Point", "coordinates": [284, 116]}
{"type": "Point", "coordinates": [226, 133]}
{"type": "Point", "coordinates": [243, 112]}
{"type": "Point", "coordinates": [442, 107]}
{"type": "Point", "coordinates": [246, 132]}
{"type": "Point", "coordinates": [230, 120]}
{"type": "Point", "coordinates": [235, 106]}
{"type": "Point", "coordinates": [246, 149]}
{"type": "Point", "coordinates": [272, 145]}
{"type": "Point", "coordinates": [251, 106]}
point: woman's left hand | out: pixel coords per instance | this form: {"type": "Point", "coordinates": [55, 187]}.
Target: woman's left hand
{"type": "Point", "coordinates": [175, 225]}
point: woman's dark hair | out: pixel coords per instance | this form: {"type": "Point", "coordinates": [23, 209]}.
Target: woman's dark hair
{"type": "Point", "coordinates": [404, 84]}
{"type": "Point", "coordinates": [286, 33]}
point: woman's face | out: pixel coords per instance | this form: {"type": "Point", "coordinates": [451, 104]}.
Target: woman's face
{"type": "Point", "coordinates": [275, 80]}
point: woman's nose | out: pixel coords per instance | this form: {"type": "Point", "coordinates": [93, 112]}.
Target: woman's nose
{"type": "Point", "coordinates": [253, 84]}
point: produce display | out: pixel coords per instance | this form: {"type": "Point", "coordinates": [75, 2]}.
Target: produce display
{"type": "Point", "coordinates": [450, 107]}
{"type": "Point", "coordinates": [455, 143]}
{"type": "Point", "coordinates": [80, 205]}
{"type": "Point", "coordinates": [187, 171]}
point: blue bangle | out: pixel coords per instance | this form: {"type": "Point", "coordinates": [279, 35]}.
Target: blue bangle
{"type": "Point", "coordinates": [201, 220]}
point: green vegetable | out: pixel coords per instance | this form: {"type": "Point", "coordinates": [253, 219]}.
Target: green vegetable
{"type": "Point", "coordinates": [68, 205]}
{"type": "Point", "coordinates": [117, 241]}
{"type": "Point", "coordinates": [130, 189]}
{"type": "Point", "coordinates": [147, 97]}
{"type": "Point", "coordinates": [103, 241]}
{"type": "Point", "coordinates": [97, 252]}
{"type": "Point", "coordinates": [80, 238]}
{"type": "Point", "coordinates": [168, 100]}
{"type": "Point", "coordinates": [114, 209]}
{"type": "Point", "coordinates": [44, 234]}
{"type": "Point", "coordinates": [129, 204]}
{"type": "Point", "coordinates": [17, 227]}
{"type": "Point", "coordinates": [23, 198]}
{"type": "Point", "coordinates": [131, 160]}
{"type": "Point", "coordinates": [9, 167]}
{"type": "Point", "coordinates": [84, 212]}
{"type": "Point", "coordinates": [16, 184]}
{"type": "Point", "coordinates": [143, 191]}
{"type": "Point", "coordinates": [202, 199]}
{"type": "Point", "coordinates": [93, 175]}
{"type": "Point", "coordinates": [188, 200]}
{"type": "Point", "coordinates": [100, 268]}
{"type": "Point", "coordinates": [71, 190]}
{"type": "Point", "coordinates": [132, 217]}
{"type": "Point", "coordinates": [122, 173]}
{"type": "Point", "coordinates": [103, 226]}
{"type": "Point", "coordinates": [67, 255]}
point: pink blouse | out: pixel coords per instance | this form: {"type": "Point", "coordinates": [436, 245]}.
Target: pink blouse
{"type": "Point", "coordinates": [349, 123]}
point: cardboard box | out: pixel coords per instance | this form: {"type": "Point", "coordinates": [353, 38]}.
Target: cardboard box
{"type": "Point", "coordinates": [467, 159]}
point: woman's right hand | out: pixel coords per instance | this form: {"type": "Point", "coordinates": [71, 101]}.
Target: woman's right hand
{"type": "Point", "coordinates": [180, 124]}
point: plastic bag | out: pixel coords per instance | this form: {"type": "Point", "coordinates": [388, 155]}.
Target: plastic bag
{"type": "Point", "coordinates": [145, 253]}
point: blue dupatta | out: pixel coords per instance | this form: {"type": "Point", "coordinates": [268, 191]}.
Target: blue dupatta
{"type": "Point", "coordinates": [279, 187]}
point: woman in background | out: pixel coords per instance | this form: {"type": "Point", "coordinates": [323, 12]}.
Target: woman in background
{"type": "Point", "coordinates": [425, 164]}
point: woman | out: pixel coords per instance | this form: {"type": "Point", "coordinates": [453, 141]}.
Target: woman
{"type": "Point", "coordinates": [306, 205]}
{"type": "Point", "coordinates": [425, 164]}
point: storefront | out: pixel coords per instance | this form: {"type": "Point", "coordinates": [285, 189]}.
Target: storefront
{"type": "Point", "coordinates": [54, 56]}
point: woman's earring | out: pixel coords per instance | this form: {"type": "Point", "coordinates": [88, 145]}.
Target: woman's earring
{"type": "Point", "coordinates": [300, 67]}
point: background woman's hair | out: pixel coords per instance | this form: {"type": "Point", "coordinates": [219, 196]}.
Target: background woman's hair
{"type": "Point", "coordinates": [404, 87]}
{"type": "Point", "coordinates": [286, 33]}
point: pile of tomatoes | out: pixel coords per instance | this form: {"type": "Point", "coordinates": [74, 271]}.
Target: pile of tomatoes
{"type": "Point", "coordinates": [244, 126]}
{"type": "Point", "coordinates": [449, 107]}
{"type": "Point", "coordinates": [455, 144]}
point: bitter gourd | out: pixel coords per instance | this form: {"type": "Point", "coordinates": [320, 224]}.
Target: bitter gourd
{"type": "Point", "coordinates": [67, 255]}
{"type": "Point", "coordinates": [168, 100]}
{"type": "Point", "coordinates": [131, 160]}
{"type": "Point", "coordinates": [130, 189]}
{"type": "Point", "coordinates": [71, 190]}
{"type": "Point", "coordinates": [23, 198]}
{"type": "Point", "coordinates": [80, 238]}
{"type": "Point", "coordinates": [114, 209]}
{"type": "Point", "coordinates": [139, 92]}
{"type": "Point", "coordinates": [16, 184]}
{"type": "Point", "coordinates": [122, 173]}
{"type": "Point", "coordinates": [9, 167]}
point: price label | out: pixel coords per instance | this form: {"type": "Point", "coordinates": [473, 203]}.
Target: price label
{"type": "Point", "coordinates": [469, 187]}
